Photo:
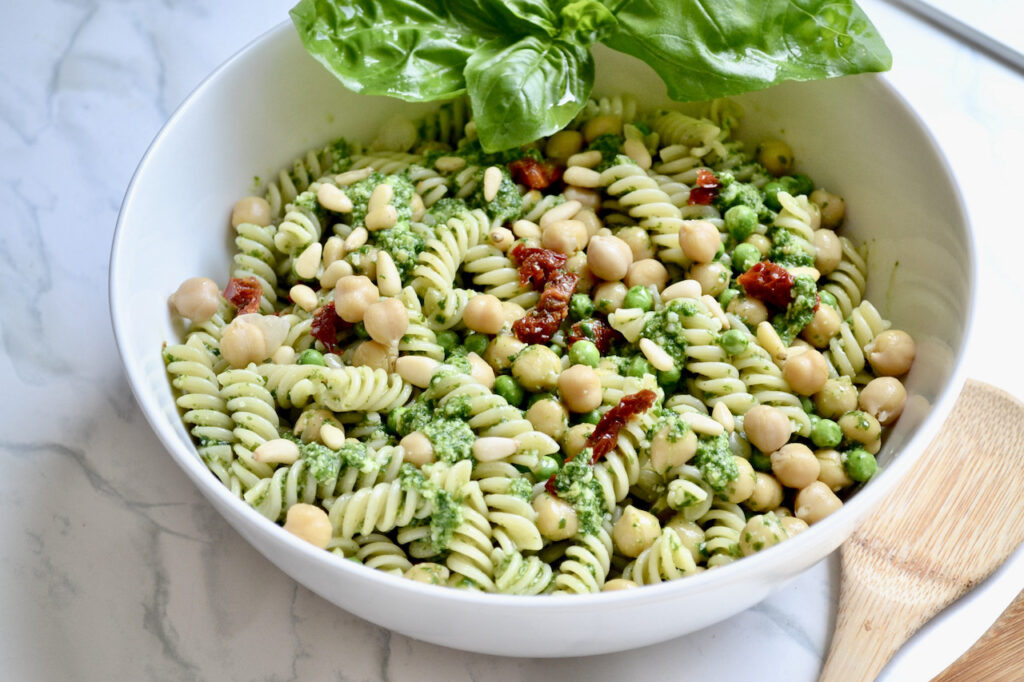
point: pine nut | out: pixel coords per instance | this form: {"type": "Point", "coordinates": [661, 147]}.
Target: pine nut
{"type": "Point", "coordinates": [380, 197]}
{"type": "Point", "coordinates": [524, 229]}
{"type": "Point", "coordinates": [308, 262]}
{"type": "Point", "coordinates": [332, 436]}
{"type": "Point", "coordinates": [494, 448]}
{"type": "Point", "coordinates": [585, 159]}
{"type": "Point", "coordinates": [657, 355]}
{"type": "Point", "coordinates": [579, 176]}
{"type": "Point", "coordinates": [701, 423]}
{"type": "Point", "coordinates": [688, 288]}
{"type": "Point", "coordinates": [356, 239]}
{"type": "Point", "coordinates": [715, 308]}
{"type": "Point", "coordinates": [770, 341]}
{"type": "Point", "coordinates": [333, 199]}
{"type": "Point", "coordinates": [277, 451]}
{"type": "Point", "coordinates": [418, 449]}
{"type": "Point", "coordinates": [285, 355]}
{"type": "Point", "coordinates": [560, 212]}
{"type": "Point", "coordinates": [333, 273]}
{"type": "Point", "coordinates": [353, 176]}
{"type": "Point", "coordinates": [805, 270]}
{"type": "Point", "coordinates": [416, 369]}
{"type": "Point", "coordinates": [389, 282]}
{"type": "Point", "coordinates": [636, 150]}
{"type": "Point", "coordinates": [418, 209]}
{"type": "Point", "coordinates": [721, 414]}
{"type": "Point", "coordinates": [304, 297]}
{"type": "Point", "coordinates": [501, 238]}
{"type": "Point", "coordinates": [492, 183]}
{"type": "Point", "coordinates": [449, 164]}
{"type": "Point", "coordinates": [382, 218]}
{"type": "Point", "coordinates": [334, 250]}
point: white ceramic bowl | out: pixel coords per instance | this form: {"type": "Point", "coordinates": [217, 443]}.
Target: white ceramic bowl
{"type": "Point", "coordinates": [271, 102]}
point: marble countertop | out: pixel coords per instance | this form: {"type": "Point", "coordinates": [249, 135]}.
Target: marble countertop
{"type": "Point", "coordinates": [113, 567]}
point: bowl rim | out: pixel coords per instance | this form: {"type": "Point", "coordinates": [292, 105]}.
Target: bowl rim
{"type": "Point", "coordinates": [768, 561]}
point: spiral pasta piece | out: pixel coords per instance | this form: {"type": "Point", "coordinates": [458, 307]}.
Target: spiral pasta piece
{"type": "Point", "coordinates": [666, 559]}
{"type": "Point", "coordinates": [846, 349]}
{"type": "Point", "coordinates": [300, 228]}
{"type": "Point", "coordinates": [722, 527]}
{"type": "Point", "coordinates": [497, 275]}
{"type": "Point", "coordinates": [516, 574]}
{"type": "Point", "coordinates": [797, 216]}
{"type": "Point", "coordinates": [849, 280]}
{"type": "Point", "coordinates": [379, 552]}
{"type": "Point", "coordinates": [470, 550]}
{"type": "Point", "coordinates": [419, 338]}
{"type": "Point", "coordinates": [586, 564]}
{"type": "Point", "coordinates": [644, 199]}
{"type": "Point", "coordinates": [289, 485]}
{"type": "Point", "coordinates": [442, 255]}
{"type": "Point", "coordinates": [510, 514]}
{"type": "Point", "coordinates": [257, 256]}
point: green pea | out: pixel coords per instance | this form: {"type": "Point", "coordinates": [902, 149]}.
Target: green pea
{"type": "Point", "coordinates": [760, 461]}
{"type": "Point", "coordinates": [740, 221]}
{"type": "Point", "coordinates": [806, 404]}
{"type": "Point", "coordinates": [311, 356]}
{"type": "Point", "coordinates": [448, 340]}
{"type": "Point", "coordinates": [557, 349]}
{"type": "Point", "coordinates": [669, 378]}
{"type": "Point", "coordinates": [592, 417]}
{"type": "Point", "coordinates": [745, 256]}
{"type": "Point", "coordinates": [860, 464]}
{"type": "Point", "coordinates": [539, 396]}
{"type": "Point", "coordinates": [725, 298]}
{"type": "Point", "coordinates": [799, 184]}
{"type": "Point", "coordinates": [580, 306]}
{"type": "Point", "coordinates": [509, 389]}
{"type": "Point", "coordinates": [547, 466]}
{"type": "Point", "coordinates": [477, 343]}
{"type": "Point", "coordinates": [826, 434]}
{"type": "Point", "coordinates": [638, 297]}
{"type": "Point", "coordinates": [360, 330]}
{"type": "Point", "coordinates": [584, 352]}
{"type": "Point", "coordinates": [733, 341]}
{"type": "Point", "coordinates": [771, 190]}
{"type": "Point", "coordinates": [639, 367]}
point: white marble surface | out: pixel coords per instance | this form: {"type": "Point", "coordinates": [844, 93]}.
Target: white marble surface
{"type": "Point", "coordinates": [113, 567]}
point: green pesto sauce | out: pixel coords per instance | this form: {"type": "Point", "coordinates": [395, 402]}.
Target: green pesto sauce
{"type": "Point", "coordinates": [609, 145]}
{"type": "Point", "coordinates": [735, 193]}
{"type": "Point", "coordinates": [507, 204]}
{"type": "Point", "coordinates": [403, 244]}
{"type": "Point", "coordinates": [307, 201]}
{"type": "Point", "coordinates": [341, 152]}
{"type": "Point", "coordinates": [521, 488]}
{"type": "Point", "coordinates": [575, 483]}
{"type": "Point", "coordinates": [665, 327]}
{"type": "Point", "coordinates": [789, 250]}
{"type": "Point", "coordinates": [326, 464]}
{"type": "Point", "coordinates": [360, 192]}
{"type": "Point", "coordinates": [445, 512]}
{"type": "Point", "coordinates": [445, 209]}
{"type": "Point", "coordinates": [714, 459]}
{"type": "Point", "coordinates": [800, 311]}
{"type": "Point", "coordinates": [452, 439]}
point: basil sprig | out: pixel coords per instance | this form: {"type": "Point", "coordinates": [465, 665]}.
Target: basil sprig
{"type": "Point", "coordinates": [527, 67]}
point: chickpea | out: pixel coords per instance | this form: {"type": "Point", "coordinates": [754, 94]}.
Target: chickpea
{"type": "Point", "coordinates": [750, 310]}
{"type": "Point", "coordinates": [428, 572]}
{"type": "Point", "coordinates": [564, 236]}
{"type": "Point", "coordinates": [767, 493]}
{"type": "Point", "coordinates": [353, 294]}
{"type": "Point", "coordinates": [822, 327]}
{"type": "Point", "coordinates": [577, 263]}
{"type": "Point", "coordinates": [198, 298]}
{"type": "Point", "coordinates": [253, 210]}
{"type": "Point", "coordinates": [832, 472]}
{"type": "Point", "coordinates": [372, 354]}
{"type": "Point", "coordinates": [609, 257]}
{"type": "Point", "coordinates": [480, 370]}
{"type": "Point", "coordinates": [548, 416]}
{"type": "Point", "coordinates": [309, 523]}
{"type": "Point", "coordinates": [742, 487]}
{"type": "Point", "coordinates": [860, 427]}
{"type": "Point", "coordinates": [891, 353]}
{"type": "Point", "coordinates": [776, 156]}
{"type": "Point", "coordinates": [689, 532]}
{"type": "Point", "coordinates": [537, 368]}
{"type": "Point", "coordinates": [484, 314]}
{"type": "Point", "coordinates": [605, 124]}
{"type": "Point", "coordinates": [699, 240]}
{"type": "Point", "coordinates": [792, 525]}
{"type": "Point", "coordinates": [242, 342]}
{"type": "Point", "coordinates": [635, 531]}
{"type": "Point", "coordinates": [767, 428]}
{"type": "Point", "coordinates": [576, 438]}
{"type": "Point", "coordinates": [563, 144]}
{"type": "Point", "coordinates": [713, 277]}
{"type": "Point", "coordinates": [836, 398]}
{"type": "Point", "coordinates": [795, 466]}
{"type": "Point", "coordinates": [589, 199]}
{"type": "Point", "coordinates": [647, 272]}
{"type": "Point", "coordinates": [418, 449]}
{"type": "Point", "coordinates": [580, 388]}
{"type": "Point", "coordinates": [670, 449]}
{"type": "Point", "coordinates": [807, 372]}
{"type": "Point", "coordinates": [512, 311]}
{"type": "Point", "coordinates": [638, 240]}
{"type": "Point", "coordinates": [618, 584]}
{"type": "Point", "coordinates": [884, 398]}
{"type": "Point", "coordinates": [589, 218]}
{"type": "Point", "coordinates": [501, 351]}
{"type": "Point", "coordinates": [761, 532]}
{"type": "Point", "coordinates": [609, 296]}
{"type": "Point", "coordinates": [386, 321]}
{"type": "Point", "coordinates": [815, 502]}
{"type": "Point", "coordinates": [556, 518]}
{"type": "Point", "coordinates": [759, 242]}
{"type": "Point", "coordinates": [829, 251]}
{"type": "Point", "coordinates": [833, 207]}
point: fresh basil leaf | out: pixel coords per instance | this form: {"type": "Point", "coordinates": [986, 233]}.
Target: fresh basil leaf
{"type": "Point", "coordinates": [585, 19]}
{"type": "Point", "coordinates": [524, 90]}
{"type": "Point", "coordinates": [534, 13]}
{"type": "Point", "coordinates": [704, 49]}
{"type": "Point", "coordinates": [411, 49]}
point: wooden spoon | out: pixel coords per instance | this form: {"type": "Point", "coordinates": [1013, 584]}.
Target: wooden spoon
{"type": "Point", "coordinates": [956, 517]}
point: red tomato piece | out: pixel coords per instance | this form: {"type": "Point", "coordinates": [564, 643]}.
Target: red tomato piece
{"type": "Point", "coordinates": [244, 294]}
{"type": "Point", "coordinates": [706, 190]}
{"type": "Point", "coordinates": [768, 282]}
{"type": "Point", "coordinates": [533, 173]}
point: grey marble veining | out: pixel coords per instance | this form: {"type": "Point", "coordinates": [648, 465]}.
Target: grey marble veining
{"type": "Point", "coordinates": [113, 567]}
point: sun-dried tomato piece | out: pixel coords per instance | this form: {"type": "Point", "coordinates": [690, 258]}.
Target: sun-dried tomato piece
{"type": "Point", "coordinates": [768, 282]}
{"type": "Point", "coordinates": [706, 190]}
{"type": "Point", "coordinates": [541, 323]}
{"type": "Point", "coordinates": [595, 330]}
{"type": "Point", "coordinates": [533, 173]}
{"type": "Point", "coordinates": [244, 294]}
{"type": "Point", "coordinates": [606, 435]}
{"type": "Point", "coordinates": [326, 326]}
{"type": "Point", "coordinates": [536, 266]}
